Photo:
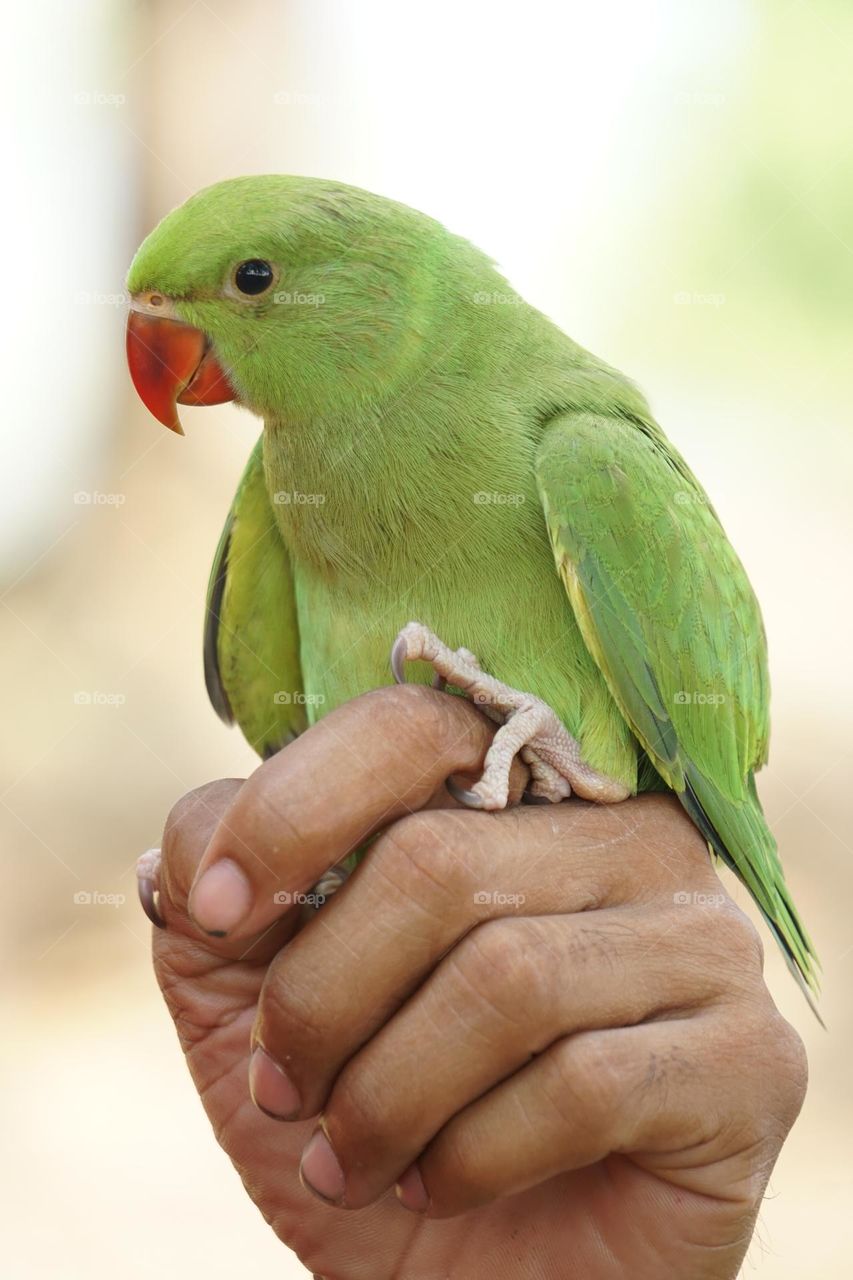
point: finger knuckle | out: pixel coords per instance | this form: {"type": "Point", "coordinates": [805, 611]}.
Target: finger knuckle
{"type": "Point", "coordinates": [791, 1069]}
{"type": "Point", "coordinates": [288, 1014]}
{"type": "Point", "coordinates": [411, 708]}
{"type": "Point", "coordinates": [190, 824]}
{"type": "Point", "coordinates": [458, 1167]}
{"type": "Point", "coordinates": [264, 805]}
{"type": "Point", "coordinates": [503, 964]}
{"type": "Point", "coordinates": [742, 939]}
{"type": "Point", "coordinates": [697, 926]}
{"type": "Point", "coordinates": [359, 1118]}
{"type": "Point", "coordinates": [715, 938]}
{"type": "Point", "coordinates": [608, 943]}
{"type": "Point", "coordinates": [699, 918]}
{"type": "Point", "coordinates": [584, 1081]}
{"type": "Point", "coordinates": [422, 857]}
{"type": "Point", "coordinates": [186, 812]}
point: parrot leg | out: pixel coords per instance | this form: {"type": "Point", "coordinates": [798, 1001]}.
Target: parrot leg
{"type": "Point", "coordinates": [148, 883]}
{"type": "Point", "coordinates": [528, 727]}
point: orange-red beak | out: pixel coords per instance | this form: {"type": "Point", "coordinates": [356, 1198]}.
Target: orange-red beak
{"type": "Point", "coordinates": [171, 363]}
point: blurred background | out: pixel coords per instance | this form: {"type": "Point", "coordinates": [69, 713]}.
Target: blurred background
{"type": "Point", "coordinates": [674, 185]}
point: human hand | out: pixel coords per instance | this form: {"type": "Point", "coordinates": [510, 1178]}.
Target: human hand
{"type": "Point", "coordinates": [581, 1076]}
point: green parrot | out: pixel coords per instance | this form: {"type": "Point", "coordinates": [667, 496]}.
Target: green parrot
{"type": "Point", "coordinates": [434, 448]}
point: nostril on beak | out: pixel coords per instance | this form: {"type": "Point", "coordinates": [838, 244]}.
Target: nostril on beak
{"type": "Point", "coordinates": [156, 300]}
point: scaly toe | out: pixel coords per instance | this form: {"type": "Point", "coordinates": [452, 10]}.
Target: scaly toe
{"type": "Point", "coordinates": [465, 655]}
{"type": "Point", "coordinates": [327, 886]}
{"type": "Point", "coordinates": [399, 655]}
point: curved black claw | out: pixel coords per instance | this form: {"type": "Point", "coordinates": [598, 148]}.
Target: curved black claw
{"type": "Point", "coordinates": [147, 892]}
{"type": "Point", "coordinates": [398, 657]}
{"type": "Point", "coordinates": [399, 652]}
{"type": "Point", "coordinates": [528, 797]}
{"type": "Point", "coordinates": [469, 798]}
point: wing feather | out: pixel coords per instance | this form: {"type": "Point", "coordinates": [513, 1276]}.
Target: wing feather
{"type": "Point", "coordinates": [251, 632]}
{"type": "Point", "coordinates": [666, 610]}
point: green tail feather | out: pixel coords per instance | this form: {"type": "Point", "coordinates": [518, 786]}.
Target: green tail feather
{"type": "Point", "coordinates": [739, 835]}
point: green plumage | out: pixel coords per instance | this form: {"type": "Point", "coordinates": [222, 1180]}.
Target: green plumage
{"type": "Point", "coordinates": [435, 448]}
{"type": "Point", "coordinates": [251, 668]}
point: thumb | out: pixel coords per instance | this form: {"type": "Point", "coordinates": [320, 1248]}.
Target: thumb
{"type": "Point", "coordinates": [211, 989]}
{"type": "Point", "coordinates": [187, 833]}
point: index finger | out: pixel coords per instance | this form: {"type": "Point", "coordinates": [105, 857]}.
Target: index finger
{"type": "Point", "coordinates": [367, 763]}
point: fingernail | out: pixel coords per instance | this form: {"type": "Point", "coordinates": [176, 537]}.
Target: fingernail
{"type": "Point", "coordinates": [319, 1169]}
{"type": "Point", "coordinates": [411, 1191]}
{"type": "Point", "coordinates": [271, 1088]}
{"type": "Point", "coordinates": [221, 898]}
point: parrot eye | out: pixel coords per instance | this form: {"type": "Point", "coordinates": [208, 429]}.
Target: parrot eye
{"type": "Point", "coordinates": [253, 276]}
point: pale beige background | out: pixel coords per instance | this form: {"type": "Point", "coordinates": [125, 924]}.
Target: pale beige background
{"type": "Point", "coordinates": [674, 184]}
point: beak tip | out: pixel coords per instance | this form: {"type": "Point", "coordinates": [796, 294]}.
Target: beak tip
{"type": "Point", "coordinates": [162, 356]}
{"type": "Point", "coordinates": [170, 364]}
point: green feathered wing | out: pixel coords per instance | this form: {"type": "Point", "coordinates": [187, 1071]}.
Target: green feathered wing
{"type": "Point", "coordinates": [666, 610]}
{"type": "Point", "coordinates": [251, 634]}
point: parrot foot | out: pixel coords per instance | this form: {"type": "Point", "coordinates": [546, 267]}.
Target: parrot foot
{"type": "Point", "coordinates": [547, 785]}
{"type": "Point", "coordinates": [329, 884]}
{"type": "Point", "coordinates": [528, 727]}
{"type": "Point", "coordinates": [148, 884]}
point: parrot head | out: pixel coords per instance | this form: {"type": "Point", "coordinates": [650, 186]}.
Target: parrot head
{"type": "Point", "coordinates": [265, 289]}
